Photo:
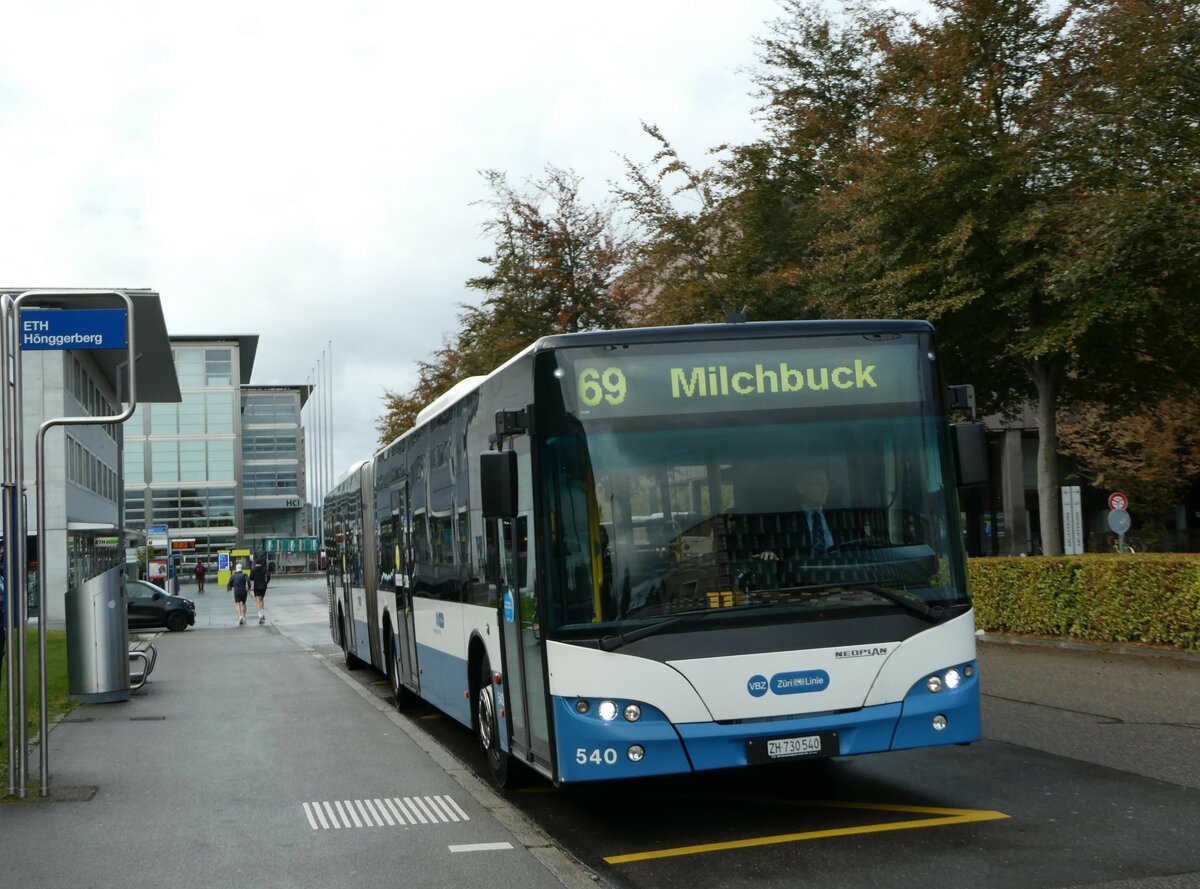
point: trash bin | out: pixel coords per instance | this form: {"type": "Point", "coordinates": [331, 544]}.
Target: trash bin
{"type": "Point", "coordinates": [98, 639]}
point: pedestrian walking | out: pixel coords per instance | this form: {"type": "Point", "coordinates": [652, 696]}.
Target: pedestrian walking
{"type": "Point", "coordinates": [238, 582]}
{"type": "Point", "coordinates": [199, 577]}
{"type": "Point", "coordinates": [260, 576]}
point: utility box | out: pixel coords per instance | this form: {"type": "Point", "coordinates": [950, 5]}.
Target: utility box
{"type": "Point", "coordinates": [98, 639]}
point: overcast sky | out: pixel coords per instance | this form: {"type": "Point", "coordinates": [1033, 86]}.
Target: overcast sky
{"type": "Point", "coordinates": [307, 172]}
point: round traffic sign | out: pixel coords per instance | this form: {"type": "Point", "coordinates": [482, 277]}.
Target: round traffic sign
{"type": "Point", "coordinates": [1117, 500]}
{"type": "Point", "coordinates": [1119, 521]}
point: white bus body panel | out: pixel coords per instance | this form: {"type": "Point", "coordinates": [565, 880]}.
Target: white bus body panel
{"type": "Point", "coordinates": [716, 689]}
{"type": "Point", "coordinates": [941, 646]}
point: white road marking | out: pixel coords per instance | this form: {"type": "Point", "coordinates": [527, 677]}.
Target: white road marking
{"type": "Point", "coordinates": [311, 820]}
{"type": "Point", "coordinates": [442, 807]}
{"type": "Point", "coordinates": [391, 807]}
{"type": "Point", "coordinates": [363, 811]}
{"type": "Point", "coordinates": [403, 808]}
{"type": "Point", "coordinates": [390, 811]}
{"type": "Point", "coordinates": [378, 807]}
{"type": "Point", "coordinates": [480, 847]}
{"type": "Point", "coordinates": [426, 809]}
{"type": "Point", "coordinates": [456, 807]}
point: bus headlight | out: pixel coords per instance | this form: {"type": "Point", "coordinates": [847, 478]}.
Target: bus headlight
{"type": "Point", "coordinates": [939, 723]}
{"type": "Point", "coordinates": [582, 707]}
{"type": "Point", "coordinates": [632, 712]}
{"type": "Point", "coordinates": [934, 683]}
{"type": "Point", "coordinates": [952, 679]}
{"type": "Point", "coordinates": [637, 753]}
{"type": "Point", "coordinates": [607, 711]}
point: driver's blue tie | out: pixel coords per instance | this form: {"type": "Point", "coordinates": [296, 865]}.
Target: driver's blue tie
{"type": "Point", "coordinates": [820, 536]}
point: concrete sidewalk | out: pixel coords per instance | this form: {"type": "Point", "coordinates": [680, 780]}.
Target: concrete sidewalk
{"type": "Point", "coordinates": [247, 760]}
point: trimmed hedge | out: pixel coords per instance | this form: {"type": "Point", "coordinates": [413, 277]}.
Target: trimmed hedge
{"type": "Point", "coordinates": [1151, 598]}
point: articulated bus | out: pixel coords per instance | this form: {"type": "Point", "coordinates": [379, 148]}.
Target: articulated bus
{"type": "Point", "coordinates": [601, 557]}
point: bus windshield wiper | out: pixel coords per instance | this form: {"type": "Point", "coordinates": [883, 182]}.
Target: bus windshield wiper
{"type": "Point", "coordinates": [886, 590]}
{"type": "Point", "coordinates": [616, 640]}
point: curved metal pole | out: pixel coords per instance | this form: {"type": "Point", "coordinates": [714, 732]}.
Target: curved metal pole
{"type": "Point", "coordinates": [13, 532]}
{"type": "Point", "coordinates": [47, 425]}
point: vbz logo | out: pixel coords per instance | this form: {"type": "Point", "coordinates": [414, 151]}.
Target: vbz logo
{"type": "Point", "coordinates": [440, 620]}
{"type": "Point", "coordinates": [757, 686]}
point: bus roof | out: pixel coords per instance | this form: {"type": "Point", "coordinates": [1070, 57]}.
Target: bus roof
{"type": "Point", "coordinates": [677, 334]}
{"type": "Point", "coordinates": [747, 330]}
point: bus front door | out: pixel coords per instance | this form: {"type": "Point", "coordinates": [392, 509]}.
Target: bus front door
{"type": "Point", "coordinates": [526, 693]}
{"type": "Point", "coordinates": [407, 663]}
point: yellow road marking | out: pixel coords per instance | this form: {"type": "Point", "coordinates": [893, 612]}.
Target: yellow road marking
{"type": "Point", "coordinates": [432, 716]}
{"type": "Point", "coordinates": [945, 817]}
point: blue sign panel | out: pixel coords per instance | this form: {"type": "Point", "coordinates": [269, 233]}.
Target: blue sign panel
{"type": "Point", "coordinates": [59, 329]}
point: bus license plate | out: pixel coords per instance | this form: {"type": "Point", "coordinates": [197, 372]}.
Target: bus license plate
{"type": "Point", "coordinates": [799, 746]}
{"type": "Point", "coordinates": [802, 746]}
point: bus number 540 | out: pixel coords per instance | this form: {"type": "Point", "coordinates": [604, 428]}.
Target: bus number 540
{"type": "Point", "coordinates": [607, 756]}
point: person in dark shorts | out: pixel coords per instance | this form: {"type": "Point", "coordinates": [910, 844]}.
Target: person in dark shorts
{"type": "Point", "coordinates": [200, 577]}
{"type": "Point", "coordinates": [239, 583]}
{"type": "Point", "coordinates": [260, 576]}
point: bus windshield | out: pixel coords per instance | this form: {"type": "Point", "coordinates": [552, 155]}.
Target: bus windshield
{"type": "Point", "coordinates": [784, 509]}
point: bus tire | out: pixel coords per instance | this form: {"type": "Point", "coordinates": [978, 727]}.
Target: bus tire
{"type": "Point", "coordinates": [487, 729]}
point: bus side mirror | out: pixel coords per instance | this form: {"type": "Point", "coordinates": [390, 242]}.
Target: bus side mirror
{"type": "Point", "coordinates": [498, 484]}
{"type": "Point", "coordinates": [970, 453]}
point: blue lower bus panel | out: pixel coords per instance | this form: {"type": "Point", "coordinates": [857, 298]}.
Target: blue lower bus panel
{"type": "Point", "coordinates": [592, 748]}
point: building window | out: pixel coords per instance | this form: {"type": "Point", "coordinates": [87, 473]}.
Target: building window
{"type": "Point", "coordinates": [219, 409]}
{"type": "Point", "coordinates": [220, 459]}
{"type": "Point", "coordinates": [270, 408]}
{"type": "Point", "coordinates": [191, 413]}
{"type": "Point", "coordinates": [192, 465]}
{"type": "Point", "coordinates": [218, 367]}
{"type": "Point", "coordinates": [268, 444]}
{"type": "Point", "coordinates": [191, 508]}
{"type": "Point", "coordinates": [189, 368]}
{"type": "Point", "coordinates": [269, 481]}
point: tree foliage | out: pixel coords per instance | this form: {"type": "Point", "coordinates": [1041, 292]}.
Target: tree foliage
{"type": "Point", "coordinates": [1151, 454]}
{"type": "Point", "coordinates": [553, 268]}
{"type": "Point", "coordinates": [982, 170]}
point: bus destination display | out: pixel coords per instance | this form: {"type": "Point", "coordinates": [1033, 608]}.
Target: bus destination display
{"type": "Point", "coordinates": [634, 385]}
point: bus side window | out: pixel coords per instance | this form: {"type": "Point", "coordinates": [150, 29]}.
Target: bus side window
{"type": "Point", "coordinates": [491, 568]}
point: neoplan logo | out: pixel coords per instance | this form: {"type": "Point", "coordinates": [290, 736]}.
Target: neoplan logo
{"type": "Point", "coordinates": [868, 651]}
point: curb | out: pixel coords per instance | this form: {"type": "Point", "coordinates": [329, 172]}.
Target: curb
{"type": "Point", "coordinates": [1097, 647]}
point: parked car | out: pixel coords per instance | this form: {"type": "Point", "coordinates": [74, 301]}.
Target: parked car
{"type": "Point", "coordinates": [150, 608]}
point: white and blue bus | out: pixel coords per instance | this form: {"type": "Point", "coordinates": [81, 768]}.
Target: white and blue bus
{"type": "Point", "coordinates": [602, 559]}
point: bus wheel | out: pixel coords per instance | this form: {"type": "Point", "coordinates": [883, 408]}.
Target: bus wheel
{"type": "Point", "coordinates": [488, 728]}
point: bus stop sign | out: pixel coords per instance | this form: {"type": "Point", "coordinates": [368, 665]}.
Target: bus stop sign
{"type": "Point", "coordinates": [1119, 521]}
{"type": "Point", "coordinates": [61, 329]}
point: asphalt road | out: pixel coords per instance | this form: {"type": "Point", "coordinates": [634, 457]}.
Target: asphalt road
{"type": "Point", "coordinates": [1089, 775]}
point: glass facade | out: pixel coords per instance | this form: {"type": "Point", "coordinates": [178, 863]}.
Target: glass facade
{"type": "Point", "coordinates": [223, 466]}
{"type": "Point", "coordinates": [272, 457]}
{"type": "Point", "coordinates": [181, 459]}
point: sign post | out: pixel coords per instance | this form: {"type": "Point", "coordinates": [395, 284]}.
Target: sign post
{"type": "Point", "coordinates": [30, 326]}
{"type": "Point", "coordinates": [1119, 521]}
{"type": "Point", "coordinates": [1072, 521]}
